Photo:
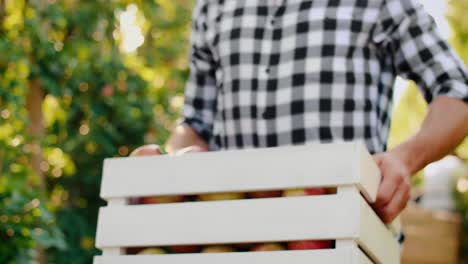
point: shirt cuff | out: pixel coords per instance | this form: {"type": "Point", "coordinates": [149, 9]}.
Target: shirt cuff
{"type": "Point", "coordinates": [202, 130]}
{"type": "Point", "coordinates": [456, 90]}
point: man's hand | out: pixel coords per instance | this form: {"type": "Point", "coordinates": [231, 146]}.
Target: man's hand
{"type": "Point", "coordinates": [394, 190]}
{"type": "Point", "coordinates": [146, 150]}
{"type": "Point", "coordinates": [152, 150]}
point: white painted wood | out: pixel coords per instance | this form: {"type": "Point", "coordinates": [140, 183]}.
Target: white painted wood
{"type": "Point", "coordinates": [375, 239]}
{"type": "Point", "coordinates": [346, 216]}
{"type": "Point", "coordinates": [349, 244]}
{"type": "Point", "coordinates": [368, 173]}
{"type": "Point", "coordinates": [115, 251]}
{"type": "Point", "coordinates": [347, 191]}
{"type": "Point", "coordinates": [314, 165]}
{"type": "Point", "coordinates": [395, 226]}
{"type": "Point", "coordinates": [257, 220]}
{"type": "Point", "coordinates": [372, 231]}
{"type": "Point", "coordinates": [363, 259]}
{"type": "Point", "coordinates": [345, 243]}
{"type": "Point", "coordinates": [329, 256]}
{"type": "Point", "coordinates": [117, 202]}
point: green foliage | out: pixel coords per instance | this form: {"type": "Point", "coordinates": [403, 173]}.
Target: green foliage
{"type": "Point", "coordinates": [25, 220]}
{"type": "Point", "coordinates": [100, 102]}
{"type": "Point", "coordinates": [25, 224]}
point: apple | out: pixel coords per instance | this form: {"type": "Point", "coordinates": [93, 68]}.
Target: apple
{"type": "Point", "coordinates": [220, 196]}
{"type": "Point", "coordinates": [305, 192]}
{"type": "Point", "coordinates": [268, 247]}
{"type": "Point", "coordinates": [264, 194]}
{"type": "Point", "coordinates": [162, 199]}
{"type": "Point", "coordinates": [152, 251]}
{"type": "Point", "coordinates": [310, 244]}
{"type": "Point", "coordinates": [185, 249]}
{"type": "Point", "coordinates": [218, 249]}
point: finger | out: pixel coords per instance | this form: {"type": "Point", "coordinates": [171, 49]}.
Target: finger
{"type": "Point", "coordinates": [191, 149]}
{"type": "Point", "coordinates": [147, 150]}
{"type": "Point", "coordinates": [197, 149]}
{"type": "Point", "coordinates": [394, 208]}
{"type": "Point", "coordinates": [378, 158]}
{"type": "Point", "coordinates": [387, 190]}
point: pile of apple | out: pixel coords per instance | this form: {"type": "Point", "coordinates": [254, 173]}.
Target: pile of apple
{"type": "Point", "coordinates": [292, 245]}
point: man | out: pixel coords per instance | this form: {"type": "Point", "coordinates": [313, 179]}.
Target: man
{"type": "Point", "coordinates": [266, 74]}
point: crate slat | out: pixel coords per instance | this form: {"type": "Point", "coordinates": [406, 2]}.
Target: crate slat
{"type": "Point", "coordinates": [330, 256]}
{"type": "Point", "coordinates": [339, 216]}
{"type": "Point", "coordinates": [314, 165]}
{"type": "Point", "coordinates": [262, 220]}
{"type": "Point", "coordinates": [345, 216]}
{"type": "Point", "coordinates": [375, 238]}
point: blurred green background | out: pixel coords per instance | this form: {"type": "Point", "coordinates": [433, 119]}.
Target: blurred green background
{"type": "Point", "coordinates": [84, 80]}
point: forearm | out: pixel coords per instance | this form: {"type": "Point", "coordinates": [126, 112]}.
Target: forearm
{"type": "Point", "coordinates": [184, 136]}
{"type": "Point", "coordinates": [444, 128]}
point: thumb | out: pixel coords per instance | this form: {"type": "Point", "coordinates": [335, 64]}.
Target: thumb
{"type": "Point", "coordinates": [147, 150]}
{"type": "Point", "coordinates": [191, 149]}
{"type": "Point", "coordinates": [378, 158]}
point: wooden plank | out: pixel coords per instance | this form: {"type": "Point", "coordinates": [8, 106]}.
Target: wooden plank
{"type": "Point", "coordinates": [359, 256]}
{"type": "Point", "coordinates": [258, 220]}
{"type": "Point", "coordinates": [363, 258]}
{"type": "Point", "coordinates": [376, 239]}
{"type": "Point", "coordinates": [368, 174]}
{"type": "Point", "coordinates": [314, 165]}
{"type": "Point", "coordinates": [395, 226]}
{"type": "Point", "coordinates": [113, 251]}
{"type": "Point", "coordinates": [328, 256]}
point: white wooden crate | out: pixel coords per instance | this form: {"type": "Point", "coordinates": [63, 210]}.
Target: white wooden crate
{"type": "Point", "coordinates": [345, 216]}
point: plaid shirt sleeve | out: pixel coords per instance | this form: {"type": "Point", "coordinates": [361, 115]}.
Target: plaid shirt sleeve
{"type": "Point", "coordinates": [408, 35]}
{"type": "Point", "coordinates": [200, 92]}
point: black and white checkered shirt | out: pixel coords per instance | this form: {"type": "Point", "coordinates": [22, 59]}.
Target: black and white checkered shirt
{"type": "Point", "coordinates": [265, 75]}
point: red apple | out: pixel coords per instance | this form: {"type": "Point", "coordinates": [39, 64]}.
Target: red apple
{"type": "Point", "coordinates": [268, 247]}
{"type": "Point", "coordinates": [162, 199]}
{"type": "Point", "coordinates": [310, 244]}
{"type": "Point", "coordinates": [152, 251]}
{"type": "Point", "coordinates": [264, 194]}
{"type": "Point", "coordinates": [305, 192]}
{"type": "Point", "coordinates": [220, 196]}
{"type": "Point", "coordinates": [185, 249]}
{"type": "Point", "coordinates": [218, 249]}
{"type": "Point", "coordinates": [134, 250]}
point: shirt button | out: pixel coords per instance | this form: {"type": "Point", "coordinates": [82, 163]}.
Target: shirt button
{"type": "Point", "coordinates": [267, 70]}
{"type": "Point", "coordinates": [272, 22]}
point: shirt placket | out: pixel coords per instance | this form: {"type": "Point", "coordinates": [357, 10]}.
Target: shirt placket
{"type": "Point", "coordinates": [264, 72]}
